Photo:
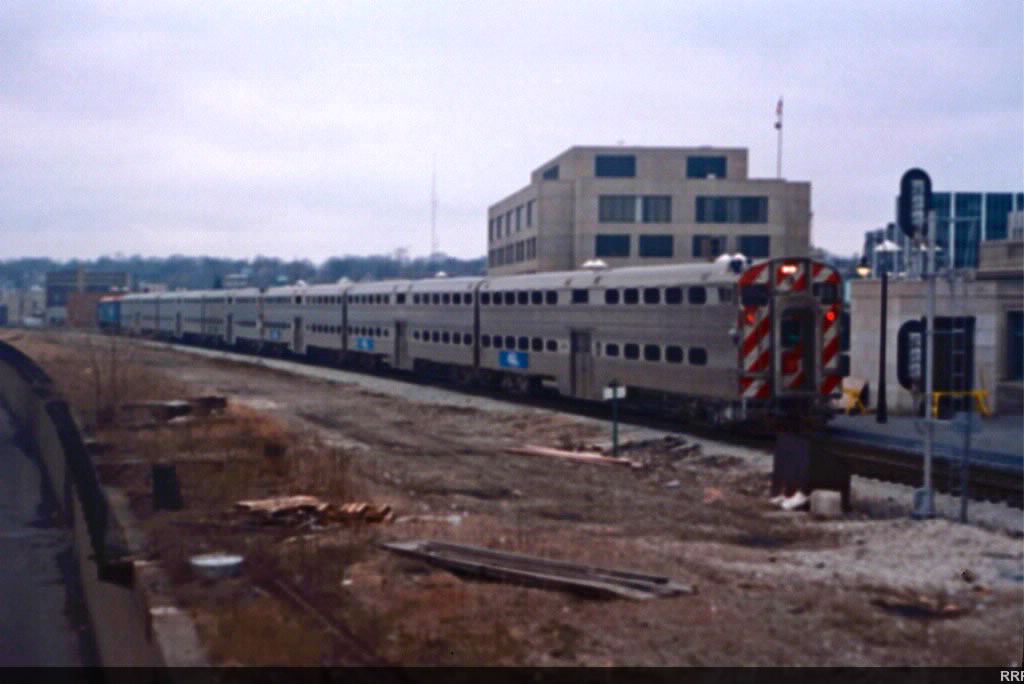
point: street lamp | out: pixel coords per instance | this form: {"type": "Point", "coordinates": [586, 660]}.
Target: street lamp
{"type": "Point", "coordinates": [886, 247]}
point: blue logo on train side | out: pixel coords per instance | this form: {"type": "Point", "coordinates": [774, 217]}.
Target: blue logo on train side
{"type": "Point", "coordinates": [513, 359]}
{"type": "Point", "coordinates": [364, 343]}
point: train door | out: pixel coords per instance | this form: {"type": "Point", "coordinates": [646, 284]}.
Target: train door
{"type": "Point", "coordinates": [796, 350]}
{"type": "Point", "coordinates": [581, 369]}
{"type": "Point", "coordinates": [229, 329]}
{"type": "Point", "coordinates": [401, 343]}
{"type": "Point", "coordinates": [297, 341]}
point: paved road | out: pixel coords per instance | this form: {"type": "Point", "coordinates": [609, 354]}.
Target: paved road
{"type": "Point", "coordinates": [41, 607]}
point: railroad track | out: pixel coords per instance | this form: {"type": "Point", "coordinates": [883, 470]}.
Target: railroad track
{"type": "Point", "coordinates": [986, 481]}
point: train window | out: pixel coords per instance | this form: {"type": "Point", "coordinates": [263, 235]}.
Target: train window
{"type": "Point", "coordinates": [457, 298]}
{"type": "Point", "coordinates": [790, 333]}
{"type": "Point", "coordinates": [674, 354]}
{"type": "Point", "coordinates": [537, 344]}
{"type": "Point", "coordinates": [485, 298]}
{"type": "Point", "coordinates": [631, 295]}
{"type": "Point", "coordinates": [415, 299]}
{"type": "Point", "coordinates": [510, 298]}
{"type": "Point", "coordinates": [611, 349]}
{"type": "Point", "coordinates": [467, 339]}
{"type": "Point", "coordinates": [498, 344]}
{"type": "Point", "coordinates": [435, 337]}
{"type": "Point", "coordinates": [522, 298]}
{"type": "Point", "coordinates": [580, 296]}
{"type": "Point", "coordinates": [510, 342]}
{"type": "Point", "coordinates": [696, 295]}
{"type": "Point", "coordinates": [826, 293]}
{"type": "Point", "coordinates": [524, 344]}
{"type": "Point", "coordinates": [485, 341]}
{"type": "Point", "coordinates": [551, 297]}
{"type": "Point", "coordinates": [400, 298]}
{"type": "Point", "coordinates": [536, 297]}
{"type": "Point", "coordinates": [673, 295]}
{"type": "Point", "coordinates": [652, 295]}
{"type": "Point", "coordinates": [652, 352]}
{"type": "Point", "coordinates": [435, 299]}
{"type": "Point", "coordinates": [377, 332]}
{"type": "Point", "coordinates": [456, 338]}
{"type": "Point", "coordinates": [446, 298]}
{"type": "Point", "coordinates": [445, 337]}
{"type": "Point", "coordinates": [611, 296]}
{"type": "Point", "coordinates": [631, 351]}
{"type": "Point", "coordinates": [551, 346]}
{"type": "Point", "coordinates": [754, 295]}
{"type": "Point", "coordinates": [387, 333]}
{"type": "Point", "coordinates": [415, 334]}
{"type": "Point", "coordinates": [724, 295]}
{"type": "Point", "coordinates": [468, 299]}
{"type": "Point", "coordinates": [697, 356]}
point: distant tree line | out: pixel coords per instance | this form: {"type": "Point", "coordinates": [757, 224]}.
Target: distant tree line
{"type": "Point", "coordinates": [182, 272]}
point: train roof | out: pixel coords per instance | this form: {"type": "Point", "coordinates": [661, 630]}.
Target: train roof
{"type": "Point", "coordinates": [380, 287]}
{"type": "Point", "coordinates": [444, 284]}
{"type": "Point", "coordinates": [671, 274]}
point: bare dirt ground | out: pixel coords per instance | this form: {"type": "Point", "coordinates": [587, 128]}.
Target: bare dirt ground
{"type": "Point", "coordinates": [774, 588]}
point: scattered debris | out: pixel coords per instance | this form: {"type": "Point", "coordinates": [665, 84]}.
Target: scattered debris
{"type": "Point", "coordinates": [968, 576]}
{"type": "Point", "coordinates": [174, 410]}
{"type": "Point", "coordinates": [826, 504]}
{"type": "Point", "coordinates": [918, 605]}
{"type": "Point", "coordinates": [301, 509]}
{"type": "Point", "coordinates": [578, 456]}
{"type": "Point", "coordinates": [712, 494]}
{"type": "Point", "coordinates": [502, 566]}
{"type": "Point", "coordinates": [216, 565]}
{"type": "Point", "coordinates": [673, 484]}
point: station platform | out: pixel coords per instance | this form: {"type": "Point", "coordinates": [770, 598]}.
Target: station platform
{"type": "Point", "coordinates": [999, 441]}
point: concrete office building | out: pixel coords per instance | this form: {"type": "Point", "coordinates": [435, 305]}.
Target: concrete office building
{"type": "Point", "coordinates": [645, 206]}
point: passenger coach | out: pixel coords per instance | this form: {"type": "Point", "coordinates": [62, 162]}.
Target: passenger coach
{"type": "Point", "coordinates": [717, 342]}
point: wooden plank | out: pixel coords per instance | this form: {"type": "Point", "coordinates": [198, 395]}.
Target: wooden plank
{"type": "Point", "coordinates": [577, 456]}
{"type": "Point", "coordinates": [539, 572]}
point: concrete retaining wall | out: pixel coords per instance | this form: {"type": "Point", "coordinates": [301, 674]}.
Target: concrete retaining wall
{"type": "Point", "coordinates": [134, 620]}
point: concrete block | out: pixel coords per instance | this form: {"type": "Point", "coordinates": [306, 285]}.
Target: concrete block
{"type": "Point", "coordinates": [826, 504]}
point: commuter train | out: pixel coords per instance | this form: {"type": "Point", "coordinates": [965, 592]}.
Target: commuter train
{"type": "Point", "coordinates": [719, 343]}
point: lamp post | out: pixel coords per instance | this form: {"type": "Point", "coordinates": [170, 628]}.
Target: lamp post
{"type": "Point", "coordinates": [887, 247]}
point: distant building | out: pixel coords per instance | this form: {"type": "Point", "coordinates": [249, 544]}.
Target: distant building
{"type": "Point", "coordinates": [645, 205]}
{"type": "Point", "coordinates": [23, 304]}
{"type": "Point", "coordinates": [60, 285]}
{"type": "Point", "coordinates": [236, 280]}
{"type": "Point", "coordinates": [963, 222]}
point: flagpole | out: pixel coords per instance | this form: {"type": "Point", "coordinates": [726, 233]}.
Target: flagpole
{"type": "Point", "coordinates": [778, 127]}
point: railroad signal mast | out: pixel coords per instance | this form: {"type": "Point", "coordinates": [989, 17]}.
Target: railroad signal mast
{"type": "Point", "coordinates": [917, 221]}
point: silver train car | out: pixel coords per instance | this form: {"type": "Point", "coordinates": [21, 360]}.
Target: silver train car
{"type": "Point", "coordinates": [720, 342]}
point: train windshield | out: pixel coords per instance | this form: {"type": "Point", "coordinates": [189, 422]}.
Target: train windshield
{"type": "Point", "coordinates": [790, 332]}
{"type": "Point", "coordinates": [754, 295]}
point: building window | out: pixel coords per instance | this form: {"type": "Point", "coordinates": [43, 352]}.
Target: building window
{"type": "Point", "coordinates": [657, 209]}
{"type": "Point", "coordinates": [519, 218]}
{"type": "Point", "coordinates": [611, 245]}
{"type": "Point", "coordinates": [708, 246]}
{"type": "Point", "coordinates": [705, 167]}
{"type": "Point", "coordinates": [520, 251]}
{"type": "Point", "coordinates": [616, 209]}
{"type": "Point", "coordinates": [732, 209]}
{"type": "Point", "coordinates": [997, 207]}
{"type": "Point", "coordinates": [550, 173]}
{"type": "Point", "coordinates": [529, 213]}
{"type": "Point", "coordinates": [754, 246]}
{"type": "Point", "coordinates": [615, 166]}
{"type": "Point", "coordinates": [656, 246]}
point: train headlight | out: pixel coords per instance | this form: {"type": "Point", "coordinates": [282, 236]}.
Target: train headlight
{"type": "Point", "coordinates": [787, 269]}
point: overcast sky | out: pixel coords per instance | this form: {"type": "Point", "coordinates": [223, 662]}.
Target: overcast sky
{"type": "Point", "coordinates": [303, 129]}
